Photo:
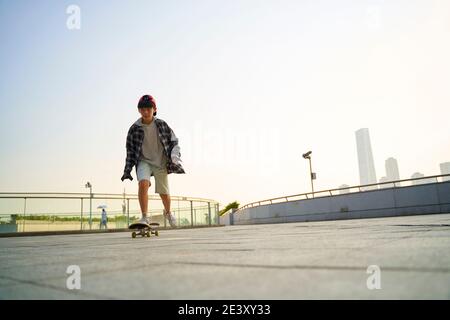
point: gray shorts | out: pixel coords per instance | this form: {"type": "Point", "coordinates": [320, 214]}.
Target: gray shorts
{"type": "Point", "coordinates": [144, 171]}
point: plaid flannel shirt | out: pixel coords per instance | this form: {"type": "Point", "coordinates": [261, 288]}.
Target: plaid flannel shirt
{"type": "Point", "coordinates": [168, 139]}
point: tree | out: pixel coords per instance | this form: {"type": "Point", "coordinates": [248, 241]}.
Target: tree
{"type": "Point", "coordinates": [231, 205]}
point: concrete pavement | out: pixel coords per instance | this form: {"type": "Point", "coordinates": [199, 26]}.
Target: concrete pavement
{"type": "Point", "coordinates": [315, 260]}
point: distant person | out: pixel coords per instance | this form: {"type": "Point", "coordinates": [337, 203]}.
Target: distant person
{"type": "Point", "coordinates": [104, 220]}
{"type": "Point", "coordinates": [153, 148]}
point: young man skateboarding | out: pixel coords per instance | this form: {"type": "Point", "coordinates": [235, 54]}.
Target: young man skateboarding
{"type": "Point", "coordinates": [153, 148]}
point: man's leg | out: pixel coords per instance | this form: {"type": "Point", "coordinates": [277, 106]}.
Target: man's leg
{"type": "Point", "coordinates": [166, 201]}
{"type": "Point", "coordinates": [143, 174]}
{"type": "Point", "coordinates": [143, 196]}
{"type": "Point", "coordinates": [162, 188]}
{"type": "Point", "coordinates": [165, 197]}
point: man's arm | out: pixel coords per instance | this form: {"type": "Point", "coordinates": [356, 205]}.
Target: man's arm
{"type": "Point", "coordinates": [175, 153]}
{"type": "Point", "coordinates": [128, 161]}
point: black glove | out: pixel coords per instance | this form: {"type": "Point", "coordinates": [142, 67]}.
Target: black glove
{"type": "Point", "coordinates": [126, 175]}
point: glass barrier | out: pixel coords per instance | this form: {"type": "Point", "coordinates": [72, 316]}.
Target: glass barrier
{"type": "Point", "coordinates": [32, 212]}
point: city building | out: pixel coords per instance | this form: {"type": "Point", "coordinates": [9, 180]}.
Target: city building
{"type": "Point", "coordinates": [367, 174]}
{"type": "Point", "coordinates": [445, 169]}
{"type": "Point", "coordinates": [392, 172]}
{"type": "Point", "coordinates": [344, 189]}
{"type": "Point", "coordinates": [422, 181]}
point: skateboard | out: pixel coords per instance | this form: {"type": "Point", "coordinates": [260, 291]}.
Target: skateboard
{"type": "Point", "coordinates": [143, 229]}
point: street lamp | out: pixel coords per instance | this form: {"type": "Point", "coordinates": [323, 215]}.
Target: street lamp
{"type": "Point", "coordinates": [313, 175]}
{"type": "Point", "coordinates": [89, 185]}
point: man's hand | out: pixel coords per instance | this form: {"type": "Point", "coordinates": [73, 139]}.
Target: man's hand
{"type": "Point", "coordinates": [176, 159]}
{"type": "Point", "coordinates": [126, 176]}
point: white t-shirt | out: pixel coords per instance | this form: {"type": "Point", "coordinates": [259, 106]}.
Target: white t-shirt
{"type": "Point", "coordinates": [152, 148]}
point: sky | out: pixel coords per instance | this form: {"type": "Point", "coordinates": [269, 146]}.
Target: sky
{"type": "Point", "coordinates": [248, 86]}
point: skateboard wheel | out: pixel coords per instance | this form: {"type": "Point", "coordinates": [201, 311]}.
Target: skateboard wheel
{"type": "Point", "coordinates": [148, 234]}
{"type": "Point", "coordinates": [156, 233]}
{"type": "Point", "coordinates": [133, 235]}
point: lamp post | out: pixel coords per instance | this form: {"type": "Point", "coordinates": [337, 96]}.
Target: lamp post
{"type": "Point", "coordinates": [88, 185]}
{"type": "Point", "coordinates": [312, 174]}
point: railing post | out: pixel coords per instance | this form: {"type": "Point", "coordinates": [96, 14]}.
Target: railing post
{"type": "Point", "coordinates": [81, 215]}
{"type": "Point", "coordinates": [128, 212]}
{"type": "Point", "coordinates": [192, 214]}
{"type": "Point", "coordinates": [217, 213]}
{"type": "Point", "coordinates": [24, 213]}
{"type": "Point", "coordinates": [209, 213]}
{"type": "Point", "coordinates": [90, 211]}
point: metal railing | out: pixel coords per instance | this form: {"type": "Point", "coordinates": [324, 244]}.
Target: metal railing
{"type": "Point", "coordinates": [53, 211]}
{"type": "Point", "coordinates": [346, 190]}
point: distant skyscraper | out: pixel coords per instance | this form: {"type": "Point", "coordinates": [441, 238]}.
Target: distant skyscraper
{"type": "Point", "coordinates": [344, 189]}
{"type": "Point", "coordinates": [417, 175]}
{"type": "Point", "coordinates": [422, 181]}
{"type": "Point", "coordinates": [445, 169]}
{"type": "Point", "coordinates": [392, 172]}
{"type": "Point", "coordinates": [385, 179]}
{"type": "Point", "coordinates": [367, 173]}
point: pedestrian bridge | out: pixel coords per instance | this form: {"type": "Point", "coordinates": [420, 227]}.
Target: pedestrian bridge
{"type": "Point", "coordinates": [426, 195]}
{"type": "Point", "coordinates": [320, 260]}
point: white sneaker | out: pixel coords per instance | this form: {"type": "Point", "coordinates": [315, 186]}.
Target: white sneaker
{"type": "Point", "coordinates": [171, 218]}
{"type": "Point", "coordinates": [144, 220]}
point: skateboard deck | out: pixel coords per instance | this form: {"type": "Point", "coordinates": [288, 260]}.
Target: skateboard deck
{"type": "Point", "coordinates": [144, 229]}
